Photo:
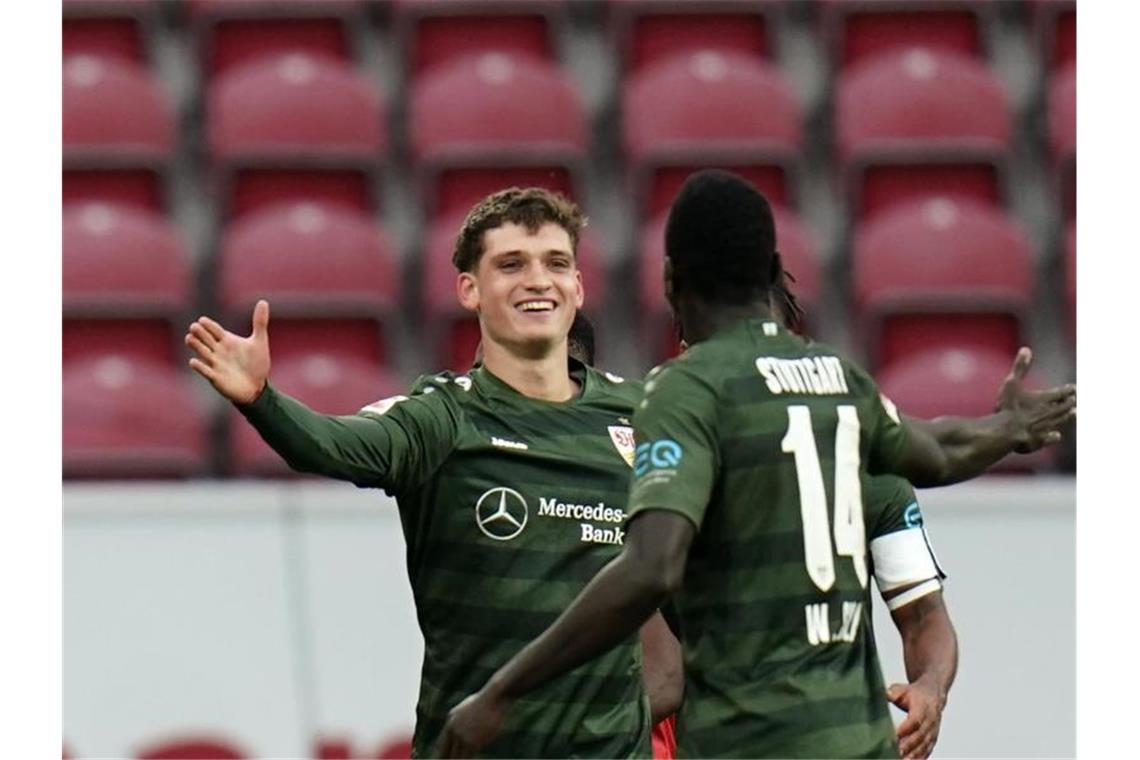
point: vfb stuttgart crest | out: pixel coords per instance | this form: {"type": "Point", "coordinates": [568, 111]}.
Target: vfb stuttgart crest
{"type": "Point", "coordinates": [622, 436]}
{"type": "Point", "coordinates": [501, 513]}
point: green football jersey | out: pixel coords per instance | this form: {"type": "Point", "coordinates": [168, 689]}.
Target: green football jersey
{"type": "Point", "coordinates": [509, 506]}
{"type": "Point", "coordinates": [764, 441]}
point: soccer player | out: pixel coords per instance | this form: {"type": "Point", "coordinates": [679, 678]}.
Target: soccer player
{"type": "Point", "coordinates": [511, 480]}
{"type": "Point", "coordinates": [746, 508]}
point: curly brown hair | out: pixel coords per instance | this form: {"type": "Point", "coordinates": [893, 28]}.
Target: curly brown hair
{"type": "Point", "coordinates": [529, 207]}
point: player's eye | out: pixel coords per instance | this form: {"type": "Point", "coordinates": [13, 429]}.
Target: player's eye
{"type": "Point", "coordinates": [560, 265]}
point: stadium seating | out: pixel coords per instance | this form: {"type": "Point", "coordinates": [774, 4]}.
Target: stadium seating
{"type": "Point", "coordinates": [125, 418]}
{"type": "Point", "coordinates": [126, 283]}
{"type": "Point", "coordinates": [799, 252]}
{"type": "Point", "coordinates": [1070, 256]}
{"type": "Point", "coordinates": [709, 108]}
{"type": "Point", "coordinates": [648, 31]}
{"type": "Point", "coordinates": [1055, 23]}
{"type": "Point", "coordinates": [441, 31]}
{"type": "Point", "coordinates": [296, 127]}
{"type": "Point", "coordinates": [860, 29]}
{"type": "Point", "coordinates": [328, 383]}
{"type": "Point", "coordinates": [919, 122]}
{"type": "Point", "coordinates": [920, 262]}
{"type": "Point", "coordinates": [479, 124]}
{"type": "Point", "coordinates": [455, 332]}
{"type": "Point", "coordinates": [328, 274]}
{"type": "Point", "coordinates": [108, 28]}
{"type": "Point", "coordinates": [959, 382]}
{"type": "Point", "coordinates": [231, 33]}
{"type": "Point", "coordinates": [1063, 136]}
{"type": "Point", "coordinates": [120, 153]}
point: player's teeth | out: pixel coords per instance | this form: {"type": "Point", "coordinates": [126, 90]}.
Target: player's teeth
{"type": "Point", "coordinates": [537, 306]}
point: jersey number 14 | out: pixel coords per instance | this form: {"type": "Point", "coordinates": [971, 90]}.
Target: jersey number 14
{"type": "Point", "coordinates": [850, 535]}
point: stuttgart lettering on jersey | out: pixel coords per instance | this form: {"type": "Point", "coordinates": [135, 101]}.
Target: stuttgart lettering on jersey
{"type": "Point", "coordinates": [816, 375]}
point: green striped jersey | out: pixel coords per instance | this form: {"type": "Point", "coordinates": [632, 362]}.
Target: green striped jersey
{"type": "Point", "coordinates": [509, 506]}
{"type": "Point", "coordinates": [764, 441]}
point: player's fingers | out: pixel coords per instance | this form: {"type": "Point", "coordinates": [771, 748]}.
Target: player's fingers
{"type": "Point", "coordinates": [261, 319]}
{"type": "Point", "coordinates": [200, 367]}
{"type": "Point", "coordinates": [216, 330]}
{"type": "Point", "coordinates": [202, 334]}
{"type": "Point", "coordinates": [1058, 395]}
{"type": "Point", "coordinates": [895, 692]}
{"type": "Point", "coordinates": [198, 347]}
{"type": "Point", "coordinates": [909, 725]}
{"type": "Point", "coordinates": [1021, 364]}
{"type": "Point", "coordinates": [913, 740]}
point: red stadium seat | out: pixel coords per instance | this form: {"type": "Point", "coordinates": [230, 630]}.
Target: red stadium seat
{"type": "Point", "coordinates": [480, 123]}
{"type": "Point", "coordinates": [958, 381]}
{"type": "Point", "coordinates": [126, 283]}
{"type": "Point", "coordinates": [328, 273]}
{"type": "Point", "coordinates": [1055, 24]}
{"type": "Point", "coordinates": [456, 330]}
{"type": "Point", "coordinates": [328, 383]}
{"type": "Point", "coordinates": [441, 31]}
{"type": "Point", "coordinates": [1063, 136]}
{"type": "Point", "coordinates": [704, 109]}
{"type": "Point", "coordinates": [922, 262]}
{"type": "Point", "coordinates": [236, 32]}
{"type": "Point", "coordinates": [296, 127]}
{"type": "Point", "coordinates": [114, 154]}
{"type": "Point", "coordinates": [861, 29]}
{"type": "Point", "coordinates": [649, 31]}
{"type": "Point", "coordinates": [108, 28]}
{"type": "Point", "coordinates": [921, 122]}
{"type": "Point", "coordinates": [124, 418]}
{"type": "Point", "coordinates": [798, 249]}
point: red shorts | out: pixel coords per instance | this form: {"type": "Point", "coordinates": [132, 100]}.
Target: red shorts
{"type": "Point", "coordinates": [664, 741]}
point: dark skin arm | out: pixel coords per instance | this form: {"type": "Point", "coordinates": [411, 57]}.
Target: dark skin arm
{"type": "Point", "coordinates": [613, 605]}
{"type": "Point", "coordinates": [662, 671]}
{"type": "Point", "coordinates": [930, 650]}
{"type": "Point", "coordinates": [948, 450]}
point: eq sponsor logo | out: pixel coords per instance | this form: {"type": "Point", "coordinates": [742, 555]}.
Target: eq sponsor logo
{"type": "Point", "coordinates": [664, 454]}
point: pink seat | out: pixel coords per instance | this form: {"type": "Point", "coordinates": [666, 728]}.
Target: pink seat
{"type": "Point", "coordinates": [798, 249]}
{"type": "Point", "coordinates": [232, 33]}
{"type": "Point", "coordinates": [108, 28]}
{"type": "Point", "coordinates": [861, 29]}
{"type": "Point", "coordinates": [328, 273]}
{"type": "Point", "coordinates": [114, 154]}
{"type": "Point", "coordinates": [456, 330]}
{"type": "Point", "coordinates": [919, 263]}
{"type": "Point", "coordinates": [296, 127]}
{"type": "Point", "coordinates": [959, 381]}
{"type": "Point", "coordinates": [125, 418]}
{"type": "Point", "coordinates": [328, 383]}
{"type": "Point", "coordinates": [649, 31]}
{"type": "Point", "coordinates": [921, 122]}
{"type": "Point", "coordinates": [1063, 136]}
{"type": "Point", "coordinates": [707, 108]}
{"type": "Point", "coordinates": [126, 283]}
{"type": "Point", "coordinates": [441, 31]}
{"type": "Point", "coordinates": [1055, 26]}
{"type": "Point", "coordinates": [493, 117]}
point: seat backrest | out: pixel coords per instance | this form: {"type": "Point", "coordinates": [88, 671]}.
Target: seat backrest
{"type": "Point", "coordinates": [653, 30]}
{"type": "Point", "coordinates": [863, 29]}
{"type": "Point", "coordinates": [114, 108]}
{"type": "Point", "coordinates": [1063, 112]}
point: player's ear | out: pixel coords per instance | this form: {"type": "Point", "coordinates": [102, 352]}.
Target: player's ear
{"type": "Point", "coordinates": [579, 291]}
{"type": "Point", "coordinates": [467, 290]}
{"type": "Point", "coordinates": [668, 274]}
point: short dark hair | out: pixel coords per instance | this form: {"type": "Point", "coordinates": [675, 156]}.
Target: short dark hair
{"type": "Point", "coordinates": [580, 341]}
{"type": "Point", "coordinates": [530, 207]}
{"type": "Point", "coordinates": [721, 239]}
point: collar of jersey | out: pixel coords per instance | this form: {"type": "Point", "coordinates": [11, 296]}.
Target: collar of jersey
{"type": "Point", "coordinates": [493, 386]}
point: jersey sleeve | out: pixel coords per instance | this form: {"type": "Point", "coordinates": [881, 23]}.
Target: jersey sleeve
{"type": "Point", "coordinates": [886, 434]}
{"type": "Point", "coordinates": [395, 443]}
{"type": "Point", "coordinates": [901, 553]}
{"type": "Point", "coordinates": [677, 453]}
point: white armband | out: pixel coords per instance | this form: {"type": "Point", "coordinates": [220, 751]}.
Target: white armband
{"type": "Point", "coordinates": [911, 594]}
{"type": "Point", "coordinates": [903, 557]}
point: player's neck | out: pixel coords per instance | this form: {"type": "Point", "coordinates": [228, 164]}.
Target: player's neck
{"type": "Point", "coordinates": [544, 376]}
{"type": "Point", "coordinates": [702, 320]}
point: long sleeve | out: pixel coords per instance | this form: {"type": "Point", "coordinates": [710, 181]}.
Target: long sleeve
{"type": "Point", "coordinates": [394, 444]}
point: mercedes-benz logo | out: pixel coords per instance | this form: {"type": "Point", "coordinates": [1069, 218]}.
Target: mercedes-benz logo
{"type": "Point", "coordinates": [501, 513]}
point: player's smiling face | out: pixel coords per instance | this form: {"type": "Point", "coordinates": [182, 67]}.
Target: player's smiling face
{"type": "Point", "coordinates": [526, 287]}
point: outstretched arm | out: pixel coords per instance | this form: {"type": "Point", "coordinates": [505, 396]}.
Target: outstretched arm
{"type": "Point", "coordinates": [612, 606]}
{"type": "Point", "coordinates": [662, 670]}
{"type": "Point", "coordinates": [951, 449]}
{"type": "Point", "coordinates": [930, 651]}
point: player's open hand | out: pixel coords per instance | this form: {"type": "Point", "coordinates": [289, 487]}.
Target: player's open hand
{"type": "Point", "coordinates": [1037, 416]}
{"type": "Point", "coordinates": [472, 725]}
{"type": "Point", "coordinates": [236, 366]}
{"type": "Point", "coordinates": [918, 732]}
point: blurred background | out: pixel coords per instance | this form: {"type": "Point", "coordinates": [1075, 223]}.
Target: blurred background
{"type": "Point", "coordinates": [921, 155]}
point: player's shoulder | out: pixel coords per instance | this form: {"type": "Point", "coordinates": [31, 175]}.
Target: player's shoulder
{"type": "Point", "coordinates": [610, 388]}
{"type": "Point", "coordinates": [438, 390]}
{"type": "Point", "coordinates": [889, 490]}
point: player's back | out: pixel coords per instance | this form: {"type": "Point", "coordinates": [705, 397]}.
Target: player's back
{"type": "Point", "coordinates": [779, 656]}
